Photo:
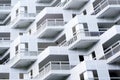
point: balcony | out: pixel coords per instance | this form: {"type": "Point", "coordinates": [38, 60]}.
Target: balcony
{"type": "Point", "coordinates": [50, 28]}
{"type": "Point", "coordinates": [74, 4]}
{"type": "Point", "coordinates": [83, 39]}
{"type": "Point", "coordinates": [54, 70]}
{"type": "Point", "coordinates": [112, 53]}
{"type": "Point", "coordinates": [23, 58]}
{"type": "Point", "coordinates": [107, 8]}
{"type": "Point", "coordinates": [23, 20]}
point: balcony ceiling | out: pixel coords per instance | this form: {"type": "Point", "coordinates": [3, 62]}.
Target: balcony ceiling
{"type": "Point", "coordinates": [109, 12]}
{"type": "Point", "coordinates": [2, 51]}
{"type": "Point", "coordinates": [57, 76]}
{"type": "Point", "coordinates": [75, 4]}
{"type": "Point", "coordinates": [84, 43]}
{"type": "Point", "coordinates": [23, 63]}
{"type": "Point", "coordinates": [45, 1]}
{"type": "Point", "coordinates": [3, 16]}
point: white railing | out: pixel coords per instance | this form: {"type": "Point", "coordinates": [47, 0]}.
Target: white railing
{"type": "Point", "coordinates": [83, 33]}
{"type": "Point", "coordinates": [26, 52]}
{"type": "Point", "coordinates": [23, 52]}
{"type": "Point", "coordinates": [27, 14]}
{"type": "Point", "coordinates": [53, 65]}
{"type": "Point", "coordinates": [105, 3]}
{"type": "Point", "coordinates": [5, 6]}
{"type": "Point", "coordinates": [50, 22]}
{"type": "Point", "coordinates": [112, 50]}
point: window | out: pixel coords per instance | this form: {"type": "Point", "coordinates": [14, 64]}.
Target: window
{"type": "Point", "coordinates": [30, 31]}
{"type": "Point", "coordinates": [82, 77]}
{"type": "Point", "coordinates": [17, 12]}
{"type": "Point", "coordinates": [95, 75]}
{"type": "Point", "coordinates": [21, 76]}
{"type": "Point", "coordinates": [84, 12]}
{"type": "Point", "coordinates": [81, 58]}
{"type": "Point", "coordinates": [16, 49]}
{"type": "Point", "coordinates": [74, 30]}
{"type": "Point", "coordinates": [73, 15]}
{"type": "Point", "coordinates": [20, 33]}
{"type": "Point", "coordinates": [25, 9]}
{"type": "Point", "coordinates": [26, 45]}
{"type": "Point", "coordinates": [31, 74]}
{"type": "Point", "coordinates": [93, 55]}
{"type": "Point", "coordinates": [85, 26]}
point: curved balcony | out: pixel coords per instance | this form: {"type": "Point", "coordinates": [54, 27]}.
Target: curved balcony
{"type": "Point", "coordinates": [83, 39]}
{"type": "Point", "coordinates": [112, 53]}
{"type": "Point", "coordinates": [107, 8]}
{"type": "Point", "coordinates": [23, 20]}
{"type": "Point", "coordinates": [23, 58]}
{"type": "Point", "coordinates": [50, 28]}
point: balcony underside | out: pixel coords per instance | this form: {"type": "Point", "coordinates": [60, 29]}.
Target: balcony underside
{"type": "Point", "coordinates": [50, 32]}
{"type": "Point", "coordinates": [22, 60]}
{"type": "Point", "coordinates": [21, 23]}
{"type": "Point", "coordinates": [3, 51]}
{"type": "Point", "coordinates": [84, 43]}
{"type": "Point", "coordinates": [75, 4]}
{"type": "Point", "coordinates": [23, 63]}
{"type": "Point", "coordinates": [57, 75]}
{"type": "Point", "coordinates": [111, 11]}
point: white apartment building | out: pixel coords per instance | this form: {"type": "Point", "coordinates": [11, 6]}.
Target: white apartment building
{"type": "Point", "coordinates": [59, 39]}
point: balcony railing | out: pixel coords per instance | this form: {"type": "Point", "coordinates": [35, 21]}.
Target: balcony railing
{"type": "Point", "coordinates": [26, 52]}
{"type": "Point", "coordinates": [83, 33]}
{"type": "Point", "coordinates": [111, 78]}
{"type": "Point", "coordinates": [27, 14]}
{"type": "Point", "coordinates": [53, 65]}
{"type": "Point", "coordinates": [23, 52]}
{"type": "Point", "coordinates": [112, 50]}
{"type": "Point", "coordinates": [50, 22]}
{"type": "Point", "coordinates": [5, 6]}
{"type": "Point", "coordinates": [105, 3]}
{"type": "Point", "coordinates": [4, 38]}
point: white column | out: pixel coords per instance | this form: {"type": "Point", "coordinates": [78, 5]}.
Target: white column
{"type": "Point", "coordinates": [92, 26]}
{"type": "Point", "coordinates": [88, 75]}
{"type": "Point", "coordinates": [14, 75]}
{"type": "Point", "coordinates": [80, 30]}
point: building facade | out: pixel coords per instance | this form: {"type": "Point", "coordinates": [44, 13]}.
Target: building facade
{"type": "Point", "coordinates": [59, 40]}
